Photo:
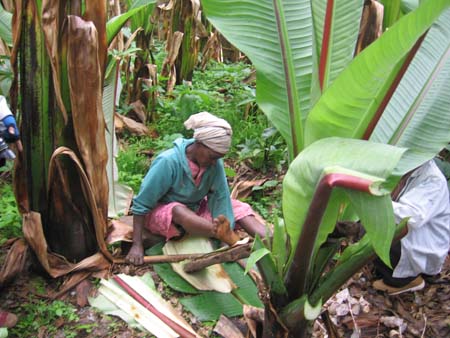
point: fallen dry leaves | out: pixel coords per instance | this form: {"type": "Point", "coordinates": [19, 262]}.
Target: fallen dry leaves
{"type": "Point", "coordinates": [359, 311]}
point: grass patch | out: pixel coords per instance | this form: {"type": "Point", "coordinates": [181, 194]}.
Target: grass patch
{"type": "Point", "coordinates": [38, 314]}
{"type": "Point", "coordinates": [220, 90]}
{"type": "Point", "coordinates": [10, 220]}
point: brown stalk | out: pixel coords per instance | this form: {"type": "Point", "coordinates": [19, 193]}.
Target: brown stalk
{"type": "Point", "coordinates": [199, 260]}
{"type": "Point", "coordinates": [296, 276]}
{"type": "Point", "coordinates": [231, 255]}
{"type": "Point", "coordinates": [392, 88]}
{"type": "Point", "coordinates": [163, 258]}
{"type": "Point", "coordinates": [325, 42]}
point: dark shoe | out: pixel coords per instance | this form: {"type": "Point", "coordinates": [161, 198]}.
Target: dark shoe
{"type": "Point", "coordinates": [435, 279]}
{"type": "Point", "coordinates": [415, 285]}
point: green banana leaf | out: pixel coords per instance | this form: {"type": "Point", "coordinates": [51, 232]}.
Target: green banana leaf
{"type": "Point", "coordinates": [324, 255]}
{"type": "Point", "coordinates": [114, 25]}
{"type": "Point", "coordinates": [119, 195]}
{"type": "Point", "coordinates": [246, 290]}
{"type": "Point", "coordinates": [391, 12]}
{"type": "Point", "coordinates": [350, 103]}
{"type": "Point", "coordinates": [267, 267]}
{"type": "Point", "coordinates": [279, 247]}
{"type": "Point", "coordinates": [256, 256]}
{"type": "Point", "coordinates": [377, 216]}
{"type": "Point", "coordinates": [373, 160]}
{"type": "Point", "coordinates": [5, 26]}
{"type": "Point", "coordinates": [141, 18]}
{"type": "Point", "coordinates": [336, 48]}
{"type": "Point", "coordinates": [407, 6]}
{"type": "Point", "coordinates": [277, 36]}
{"type": "Point", "coordinates": [174, 280]}
{"type": "Point", "coordinates": [170, 277]}
{"type": "Point", "coordinates": [210, 305]}
{"type": "Point", "coordinates": [418, 115]}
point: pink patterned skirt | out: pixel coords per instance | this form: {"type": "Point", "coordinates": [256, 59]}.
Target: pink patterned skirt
{"type": "Point", "coordinates": [159, 220]}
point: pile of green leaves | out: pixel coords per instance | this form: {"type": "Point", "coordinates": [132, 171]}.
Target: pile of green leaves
{"type": "Point", "coordinates": [209, 305]}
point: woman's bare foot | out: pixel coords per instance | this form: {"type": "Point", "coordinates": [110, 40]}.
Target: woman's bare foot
{"type": "Point", "coordinates": [223, 231]}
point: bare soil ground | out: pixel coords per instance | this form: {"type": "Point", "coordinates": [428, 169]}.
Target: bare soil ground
{"type": "Point", "coordinates": [357, 311]}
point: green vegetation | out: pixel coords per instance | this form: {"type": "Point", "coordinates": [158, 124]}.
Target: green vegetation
{"type": "Point", "coordinates": [334, 104]}
{"type": "Point", "coordinates": [10, 220]}
{"type": "Point", "coordinates": [37, 314]}
{"type": "Point", "coordinates": [221, 90]}
{"type": "Point", "coordinates": [321, 110]}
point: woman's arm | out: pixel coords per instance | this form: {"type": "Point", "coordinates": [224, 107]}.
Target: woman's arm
{"type": "Point", "coordinates": [219, 201]}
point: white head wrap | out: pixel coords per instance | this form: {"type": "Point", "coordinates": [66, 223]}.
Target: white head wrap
{"type": "Point", "coordinates": [212, 131]}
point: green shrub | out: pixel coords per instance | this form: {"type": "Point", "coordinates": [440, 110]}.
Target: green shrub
{"type": "Point", "coordinates": [10, 220]}
{"type": "Point", "coordinates": [39, 313]}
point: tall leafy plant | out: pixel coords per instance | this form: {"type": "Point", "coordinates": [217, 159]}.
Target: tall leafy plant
{"type": "Point", "coordinates": [314, 90]}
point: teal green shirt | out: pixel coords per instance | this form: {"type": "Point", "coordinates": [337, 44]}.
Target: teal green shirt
{"type": "Point", "coordinates": [169, 179]}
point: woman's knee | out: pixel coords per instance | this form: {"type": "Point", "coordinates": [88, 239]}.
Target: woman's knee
{"type": "Point", "coordinates": [178, 213]}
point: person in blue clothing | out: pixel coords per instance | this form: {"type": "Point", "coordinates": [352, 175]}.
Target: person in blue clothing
{"type": "Point", "coordinates": [186, 191]}
{"type": "Point", "coordinates": [8, 132]}
{"type": "Point", "coordinates": [11, 132]}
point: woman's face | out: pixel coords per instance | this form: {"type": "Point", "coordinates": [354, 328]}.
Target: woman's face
{"type": "Point", "coordinates": [205, 156]}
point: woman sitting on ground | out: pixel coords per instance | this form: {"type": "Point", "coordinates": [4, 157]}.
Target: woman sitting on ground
{"type": "Point", "coordinates": [186, 191]}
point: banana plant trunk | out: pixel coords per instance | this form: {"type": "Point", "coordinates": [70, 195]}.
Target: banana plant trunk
{"type": "Point", "coordinates": [183, 20]}
{"type": "Point", "coordinates": [37, 107]}
{"type": "Point", "coordinates": [272, 327]}
{"type": "Point", "coordinates": [61, 57]}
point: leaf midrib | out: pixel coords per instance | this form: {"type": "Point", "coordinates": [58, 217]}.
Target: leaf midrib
{"type": "Point", "coordinates": [419, 99]}
{"type": "Point", "coordinates": [291, 86]}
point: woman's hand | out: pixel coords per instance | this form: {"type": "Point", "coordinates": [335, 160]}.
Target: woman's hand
{"type": "Point", "coordinates": [11, 133]}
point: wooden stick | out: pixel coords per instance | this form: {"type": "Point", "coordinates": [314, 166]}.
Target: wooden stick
{"type": "Point", "coordinates": [232, 254]}
{"type": "Point", "coordinates": [163, 258]}
{"type": "Point", "coordinates": [222, 255]}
